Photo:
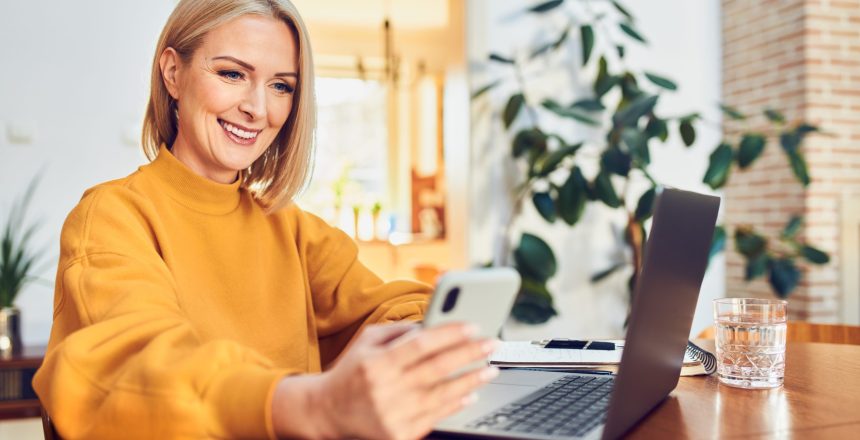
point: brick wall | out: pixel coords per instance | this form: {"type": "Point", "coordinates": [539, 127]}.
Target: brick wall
{"type": "Point", "coordinates": [801, 57]}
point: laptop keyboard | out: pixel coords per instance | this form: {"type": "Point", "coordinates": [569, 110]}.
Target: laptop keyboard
{"type": "Point", "coordinates": [570, 406]}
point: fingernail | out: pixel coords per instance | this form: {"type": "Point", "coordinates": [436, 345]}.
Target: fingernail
{"type": "Point", "coordinates": [470, 330]}
{"type": "Point", "coordinates": [470, 399]}
{"type": "Point", "coordinates": [489, 374]}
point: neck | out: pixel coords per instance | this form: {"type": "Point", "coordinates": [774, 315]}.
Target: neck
{"type": "Point", "coordinates": [184, 153]}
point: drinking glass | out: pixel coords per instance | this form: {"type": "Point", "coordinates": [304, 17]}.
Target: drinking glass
{"type": "Point", "coordinates": [750, 339]}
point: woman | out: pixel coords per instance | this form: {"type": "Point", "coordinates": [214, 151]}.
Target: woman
{"type": "Point", "coordinates": [192, 296]}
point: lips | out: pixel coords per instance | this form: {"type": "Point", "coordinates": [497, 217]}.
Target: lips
{"type": "Point", "coordinates": [239, 134]}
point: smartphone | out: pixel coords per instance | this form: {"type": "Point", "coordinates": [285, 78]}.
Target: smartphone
{"type": "Point", "coordinates": [483, 297]}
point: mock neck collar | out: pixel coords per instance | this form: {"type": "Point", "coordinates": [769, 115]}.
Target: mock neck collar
{"type": "Point", "coordinates": [191, 189]}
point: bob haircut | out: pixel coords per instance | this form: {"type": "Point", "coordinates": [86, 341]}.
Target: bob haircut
{"type": "Point", "coordinates": [284, 168]}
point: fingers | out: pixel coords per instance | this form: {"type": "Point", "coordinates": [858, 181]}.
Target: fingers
{"type": "Point", "coordinates": [417, 346]}
{"type": "Point", "coordinates": [385, 333]}
{"type": "Point", "coordinates": [440, 366]}
{"type": "Point", "coordinates": [451, 397]}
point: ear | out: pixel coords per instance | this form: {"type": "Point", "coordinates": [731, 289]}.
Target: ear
{"type": "Point", "coordinates": [169, 62]}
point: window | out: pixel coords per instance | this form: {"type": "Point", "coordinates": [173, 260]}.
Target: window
{"type": "Point", "coordinates": [351, 163]}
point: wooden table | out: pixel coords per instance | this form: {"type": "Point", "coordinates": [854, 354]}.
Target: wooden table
{"type": "Point", "coordinates": [820, 399]}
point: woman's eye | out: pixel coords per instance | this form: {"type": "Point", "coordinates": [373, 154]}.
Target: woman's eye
{"type": "Point", "coordinates": [231, 74]}
{"type": "Point", "coordinates": [283, 88]}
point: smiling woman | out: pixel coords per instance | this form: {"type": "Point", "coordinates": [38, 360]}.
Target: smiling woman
{"type": "Point", "coordinates": [194, 299]}
{"type": "Point", "coordinates": [254, 100]}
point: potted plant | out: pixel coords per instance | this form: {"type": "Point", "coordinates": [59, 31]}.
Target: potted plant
{"type": "Point", "coordinates": [18, 260]}
{"type": "Point", "coordinates": [621, 105]}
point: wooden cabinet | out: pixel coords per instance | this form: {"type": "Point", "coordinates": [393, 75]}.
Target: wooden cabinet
{"type": "Point", "coordinates": [17, 398]}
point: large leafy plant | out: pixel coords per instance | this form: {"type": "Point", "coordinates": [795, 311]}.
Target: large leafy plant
{"type": "Point", "coordinates": [18, 257]}
{"type": "Point", "coordinates": [621, 103]}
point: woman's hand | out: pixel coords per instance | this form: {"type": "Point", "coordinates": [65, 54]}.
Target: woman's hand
{"type": "Point", "coordinates": [395, 382]}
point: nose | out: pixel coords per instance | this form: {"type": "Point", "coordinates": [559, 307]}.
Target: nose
{"type": "Point", "coordinates": [254, 102]}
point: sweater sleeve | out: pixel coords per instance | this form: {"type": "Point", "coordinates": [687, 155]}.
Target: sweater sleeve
{"type": "Point", "coordinates": [346, 295]}
{"type": "Point", "coordinates": [123, 361]}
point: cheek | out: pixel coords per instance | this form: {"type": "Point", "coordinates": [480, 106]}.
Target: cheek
{"type": "Point", "coordinates": [279, 111]}
{"type": "Point", "coordinates": [215, 97]}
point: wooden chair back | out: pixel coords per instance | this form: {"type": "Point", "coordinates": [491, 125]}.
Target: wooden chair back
{"type": "Point", "coordinates": [48, 426]}
{"type": "Point", "coordinates": [799, 331]}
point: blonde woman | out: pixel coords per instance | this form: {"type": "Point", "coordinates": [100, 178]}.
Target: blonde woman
{"type": "Point", "coordinates": [193, 299]}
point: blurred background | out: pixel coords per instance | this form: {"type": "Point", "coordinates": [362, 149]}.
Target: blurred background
{"type": "Point", "coordinates": [458, 133]}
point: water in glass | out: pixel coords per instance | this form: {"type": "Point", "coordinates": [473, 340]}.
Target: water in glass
{"type": "Point", "coordinates": [750, 340]}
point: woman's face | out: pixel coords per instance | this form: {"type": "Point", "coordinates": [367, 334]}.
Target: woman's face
{"type": "Point", "coordinates": [234, 95]}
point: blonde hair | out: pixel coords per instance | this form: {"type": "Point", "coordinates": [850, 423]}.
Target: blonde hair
{"type": "Point", "coordinates": [284, 168]}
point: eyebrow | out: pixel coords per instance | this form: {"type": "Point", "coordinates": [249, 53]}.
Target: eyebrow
{"type": "Point", "coordinates": [250, 67]}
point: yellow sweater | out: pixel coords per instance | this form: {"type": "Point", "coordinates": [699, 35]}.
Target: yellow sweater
{"type": "Point", "coordinates": [179, 304]}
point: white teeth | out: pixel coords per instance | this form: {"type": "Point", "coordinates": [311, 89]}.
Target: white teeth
{"type": "Point", "coordinates": [238, 132]}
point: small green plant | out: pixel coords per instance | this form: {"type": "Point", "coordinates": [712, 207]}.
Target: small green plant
{"type": "Point", "coordinates": [18, 258]}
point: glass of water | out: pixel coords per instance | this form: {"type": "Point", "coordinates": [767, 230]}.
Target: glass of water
{"type": "Point", "coordinates": [750, 339]}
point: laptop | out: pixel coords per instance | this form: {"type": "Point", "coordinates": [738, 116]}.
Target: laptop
{"type": "Point", "coordinates": [528, 404]}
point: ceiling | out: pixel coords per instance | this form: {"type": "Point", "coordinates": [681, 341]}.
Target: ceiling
{"type": "Point", "coordinates": [404, 14]}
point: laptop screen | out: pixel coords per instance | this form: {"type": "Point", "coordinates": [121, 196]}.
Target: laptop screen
{"type": "Point", "coordinates": [664, 300]}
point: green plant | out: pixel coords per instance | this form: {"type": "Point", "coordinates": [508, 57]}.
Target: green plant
{"type": "Point", "coordinates": [17, 256]}
{"type": "Point", "coordinates": [622, 103]}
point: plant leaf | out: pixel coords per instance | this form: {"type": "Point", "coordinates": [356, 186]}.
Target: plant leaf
{"type": "Point", "coordinates": [661, 81]}
{"type": "Point", "coordinates": [500, 59]}
{"type": "Point", "coordinates": [591, 105]}
{"type": "Point", "coordinates": [628, 29]}
{"type": "Point", "coordinates": [637, 143]}
{"type": "Point", "coordinates": [599, 276]}
{"type": "Point", "coordinates": [719, 241]}
{"type": "Point", "coordinates": [545, 206]}
{"type": "Point", "coordinates": [554, 159]}
{"type": "Point", "coordinates": [604, 81]}
{"type": "Point", "coordinates": [792, 227]}
{"type": "Point", "coordinates": [485, 89]}
{"type": "Point", "coordinates": [619, 49]}
{"type": "Point", "coordinates": [688, 132]}
{"type": "Point", "coordinates": [615, 161]}
{"type": "Point", "coordinates": [534, 303]}
{"type": "Point", "coordinates": [629, 116]}
{"type": "Point", "coordinates": [535, 258]}
{"type": "Point", "coordinates": [546, 6]}
{"type": "Point", "coordinates": [748, 243]}
{"type": "Point", "coordinates": [798, 166]}
{"type": "Point", "coordinates": [784, 276]}
{"type": "Point", "coordinates": [645, 207]}
{"type": "Point", "coordinates": [553, 45]}
{"type": "Point", "coordinates": [774, 116]}
{"type": "Point", "coordinates": [657, 128]}
{"type": "Point", "coordinates": [515, 103]}
{"type": "Point", "coordinates": [529, 140]}
{"type": "Point", "coordinates": [756, 267]}
{"type": "Point", "coordinates": [813, 255]}
{"type": "Point", "coordinates": [751, 147]}
{"type": "Point", "coordinates": [567, 112]}
{"type": "Point", "coordinates": [719, 166]}
{"type": "Point", "coordinates": [572, 197]}
{"type": "Point", "coordinates": [622, 10]}
{"type": "Point", "coordinates": [732, 112]}
{"type": "Point", "coordinates": [605, 191]}
{"type": "Point", "coordinates": [587, 35]}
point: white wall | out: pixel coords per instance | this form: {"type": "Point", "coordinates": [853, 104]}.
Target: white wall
{"type": "Point", "coordinates": [684, 45]}
{"type": "Point", "coordinates": [76, 74]}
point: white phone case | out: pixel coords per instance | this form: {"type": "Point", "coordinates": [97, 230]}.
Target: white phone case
{"type": "Point", "coordinates": [485, 299]}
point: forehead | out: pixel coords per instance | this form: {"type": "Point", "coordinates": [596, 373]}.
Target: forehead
{"type": "Point", "coordinates": [264, 42]}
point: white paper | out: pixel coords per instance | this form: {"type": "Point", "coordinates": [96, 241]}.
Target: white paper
{"type": "Point", "coordinates": [512, 352]}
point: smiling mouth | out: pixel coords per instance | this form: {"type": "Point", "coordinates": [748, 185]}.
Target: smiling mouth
{"type": "Point", "coordinates": [237, 134]}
